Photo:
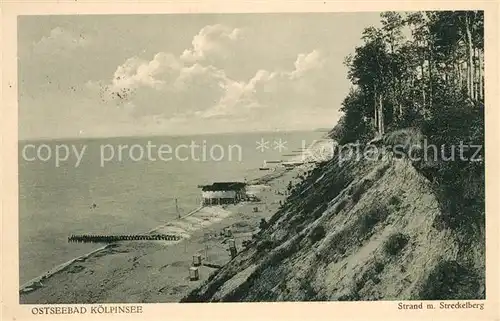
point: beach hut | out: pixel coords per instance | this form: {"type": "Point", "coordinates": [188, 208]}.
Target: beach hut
{"type": "Point", "coordinates": [220, 193]}
{"type": "Point", "coordinates": [197, 260]}
{"type": "Point", "coordinates": [194, 274]}
{"type": "Point", "coordinates": [232, 248]}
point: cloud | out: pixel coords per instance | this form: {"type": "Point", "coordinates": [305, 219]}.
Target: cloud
{"type": "Point", "coordinates": [255, 71]}
{"type": "Point", "coordinates": [300, 88]}
{"type": "Point", "coordinates": [163, 86]}
{"type": "Point", "coordinates": [212, 42]}
{"type": "Point", "coordinates": [59, 41]}
{"type": "Point", "coordinates": [188, 85]}
{"type": "Point", "coordinates": [305, 63]}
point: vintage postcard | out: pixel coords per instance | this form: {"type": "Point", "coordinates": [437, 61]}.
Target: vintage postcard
{"type": "Point", "coordinates": [331, 158]}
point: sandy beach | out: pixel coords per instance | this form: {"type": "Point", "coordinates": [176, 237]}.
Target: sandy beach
{"type": "Point", "coordinates": [158, 271]}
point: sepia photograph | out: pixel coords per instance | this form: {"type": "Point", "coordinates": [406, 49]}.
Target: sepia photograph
{"type": "Point", "coordinates": [251, 157]}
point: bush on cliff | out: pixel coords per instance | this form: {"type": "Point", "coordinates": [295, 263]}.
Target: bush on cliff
{"type": "Point", "coordinates": [450, 280]}
{"type": "Point", "coordinates": [395, 243]}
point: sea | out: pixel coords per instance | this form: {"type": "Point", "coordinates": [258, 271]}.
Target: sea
{"type": "Point", "coordinates": [134, 183]}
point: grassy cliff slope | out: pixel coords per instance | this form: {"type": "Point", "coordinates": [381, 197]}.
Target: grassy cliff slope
{"type": "Point", "coordinates": [354, 230]}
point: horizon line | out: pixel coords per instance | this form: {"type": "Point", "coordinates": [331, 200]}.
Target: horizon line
{"type": "Point", "coordinates": [316, 129]}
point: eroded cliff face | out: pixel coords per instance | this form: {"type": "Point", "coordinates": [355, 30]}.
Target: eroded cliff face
{"type": "Point", "coordinates": [351, 230]}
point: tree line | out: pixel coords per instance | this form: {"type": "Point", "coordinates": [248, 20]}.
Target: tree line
{"type": "Point", "coordinates": [425, 71]}
{"type": "Point", "coordinates": [402, 70]}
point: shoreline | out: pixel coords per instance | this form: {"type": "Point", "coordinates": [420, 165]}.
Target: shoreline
{"type": "Point", "coordinates": [56, 269]}
{"type": "Point", "coordinates": [214, 216]}
{"type": "Point", "coordinates": [60, 267]}
{"type": "Point", "coordinates": [32, 285]}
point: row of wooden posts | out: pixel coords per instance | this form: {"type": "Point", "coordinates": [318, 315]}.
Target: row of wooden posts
{"type": "Point", "coordinates": [115, 238]}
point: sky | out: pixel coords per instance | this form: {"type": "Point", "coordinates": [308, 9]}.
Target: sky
{"type": "Point", "coordinates": [182, 74]}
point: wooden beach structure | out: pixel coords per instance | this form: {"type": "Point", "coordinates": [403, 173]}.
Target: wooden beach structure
{"type": "Point", "coordinates": [194, 274]}
{"type": "Point", "coordinates": [89, 238]}
{"type": "Point", "coordinates": [266, 164]}
{"type": "Point", "coordinates": [219, 193]}
{"type": "Point", "coordinates": [197, 260]}
{"type": "Point", "coordinates": [291, 165]}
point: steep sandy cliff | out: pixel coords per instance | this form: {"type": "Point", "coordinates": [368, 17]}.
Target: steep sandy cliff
{"type": "Point", "coordinates": [354, 230]}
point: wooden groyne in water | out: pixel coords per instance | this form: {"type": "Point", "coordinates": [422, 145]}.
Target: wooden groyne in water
{"type": "Point", "coordinates": [86, 238]}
